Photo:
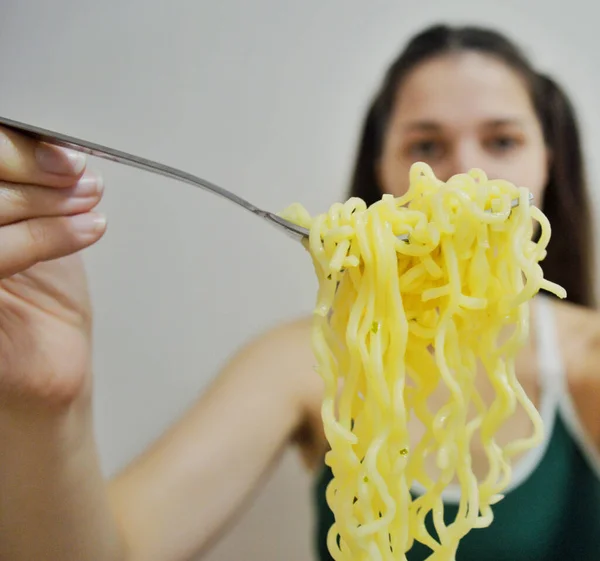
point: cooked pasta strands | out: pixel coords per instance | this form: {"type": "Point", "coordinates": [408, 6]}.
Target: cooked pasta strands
{"type": "Point", "coordinates": [398, 320]}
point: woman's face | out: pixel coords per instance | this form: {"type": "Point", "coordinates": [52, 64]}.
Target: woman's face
{"type": "Point", "coordinates": [463, 111]}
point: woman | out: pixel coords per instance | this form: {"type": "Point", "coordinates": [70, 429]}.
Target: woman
{"type": "Point", "coordinates": [464, 98]}
{"type": "Point", "coordinates": [455, 98]}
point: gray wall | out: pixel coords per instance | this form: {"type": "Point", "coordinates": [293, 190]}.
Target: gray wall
{"type": "Point", "coordinates": [264, 97]}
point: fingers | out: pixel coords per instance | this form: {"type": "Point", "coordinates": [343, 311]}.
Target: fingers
{"type": "Point", "coordinates": [41, 239]}
{"type": "Point", "coordinates": [22, 202]}
{"type": "Point", "coordinates": [46, 199]}
{"type": "Point", "coordinates": [23, 160]}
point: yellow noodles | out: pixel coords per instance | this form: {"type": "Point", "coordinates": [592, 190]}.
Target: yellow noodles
{"type": "Point", "coordinates": [395, 320]}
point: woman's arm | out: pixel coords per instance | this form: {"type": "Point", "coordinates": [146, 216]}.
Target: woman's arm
{"type": "Point", "coordinates": [54, 502]}
{"type": "Point", "coordinates": [174, 499]}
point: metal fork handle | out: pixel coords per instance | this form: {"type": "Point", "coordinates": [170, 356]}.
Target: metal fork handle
{"type": "Point", "coordinates": [121, 157]}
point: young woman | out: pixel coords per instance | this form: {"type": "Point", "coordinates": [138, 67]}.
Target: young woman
{"type": "Point", "coordinates": [456, 98]}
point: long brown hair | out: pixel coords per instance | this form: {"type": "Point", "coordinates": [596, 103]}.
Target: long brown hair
{"type": "Point", "coordinates": [569, 261]}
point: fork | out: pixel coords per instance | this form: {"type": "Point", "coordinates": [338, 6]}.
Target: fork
{"type": "Point", "coordinates": [120, 157]}
{"type": "Point", "coordinates": [97, 150]}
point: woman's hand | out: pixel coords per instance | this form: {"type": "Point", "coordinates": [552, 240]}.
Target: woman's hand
{"type": "Point", "coordinates": [46, 199]}
{"type": "Point", "coordinates": [169, 504]}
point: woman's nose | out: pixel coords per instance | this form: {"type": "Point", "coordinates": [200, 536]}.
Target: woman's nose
{"type": "Point", "coordinates": [466, 157]}
{"type": "Point", "coordinates": [462, 158]}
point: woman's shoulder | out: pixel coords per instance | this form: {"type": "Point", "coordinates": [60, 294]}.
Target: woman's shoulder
{"type": "Point", "coordinates": [578, 329]}
{"type": "Point", "coordinates": [287, 349]}
{"type": "Point", "coordinates": [290, 335]}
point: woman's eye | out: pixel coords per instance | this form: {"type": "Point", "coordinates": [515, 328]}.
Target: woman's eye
{"type": "Point", "coordinates": [502, 143]}
{"type": "Point", "coordinates": [426, 149]}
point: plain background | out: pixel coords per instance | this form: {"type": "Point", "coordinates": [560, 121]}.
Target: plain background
{"type": "Point", "coordinates": [266, 98]}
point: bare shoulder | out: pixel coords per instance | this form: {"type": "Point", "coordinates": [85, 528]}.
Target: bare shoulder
{"type": "Point", "coordinates": [280, 344]}
{"type": "Point", "coordinates": [579, 336]}
{"type": "Point", "coordinates": [579, 339]}
{"type": "Point", "coordinates": [284, 354]}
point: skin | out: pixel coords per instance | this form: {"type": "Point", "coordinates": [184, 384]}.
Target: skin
{"type": "Point", "coordinates": [176, 498]}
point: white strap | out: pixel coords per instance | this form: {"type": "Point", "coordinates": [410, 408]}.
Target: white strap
{"type": "Point", "coordinates": [550, 362]}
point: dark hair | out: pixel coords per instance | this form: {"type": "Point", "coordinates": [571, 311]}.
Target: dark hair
{"type": "Point", "coordinates": [569, 261]}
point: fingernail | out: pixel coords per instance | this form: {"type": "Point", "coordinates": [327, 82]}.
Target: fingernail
{"type": "Point", "coordinates": [90, 184]}
{"type": "Point", "coordinates": [88, 223]}
{"type": "Point", "coordinates": [59, 161]}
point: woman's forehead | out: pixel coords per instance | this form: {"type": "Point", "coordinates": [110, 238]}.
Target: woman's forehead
{"type": "Point", "coordinates": [460, 89]}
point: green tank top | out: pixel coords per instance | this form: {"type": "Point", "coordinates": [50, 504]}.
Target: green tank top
{"type": "Point", "coordinates": [551, 511]}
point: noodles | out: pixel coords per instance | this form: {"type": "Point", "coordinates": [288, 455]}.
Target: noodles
{"type": "Point", "coordinates": [397, 318]}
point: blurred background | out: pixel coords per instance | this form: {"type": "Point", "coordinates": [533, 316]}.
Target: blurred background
{"type": "Point", "coordinates": [262, 97]}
